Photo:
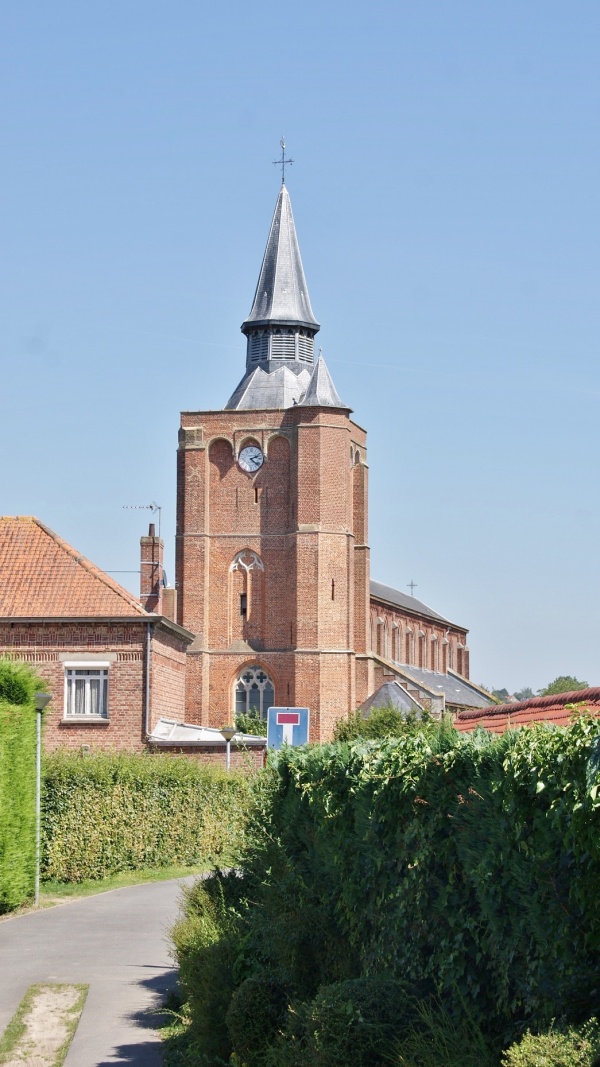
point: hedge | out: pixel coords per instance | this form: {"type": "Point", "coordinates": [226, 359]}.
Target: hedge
{"type": "Point", "coordinates": [18, 685]}
{"type": "Point", "coordinates": [114, 812]}
{"type": "Point", "coordinates": [464, 866]}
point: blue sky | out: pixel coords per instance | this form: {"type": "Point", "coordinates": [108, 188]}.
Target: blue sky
{"type": "Point", "coordinates": [445, 191]}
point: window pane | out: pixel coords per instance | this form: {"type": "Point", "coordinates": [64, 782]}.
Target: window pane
{"type": "Point", "coordinates": [94, 697]}
{"type": "Point", "coordinates": [254, 699]}
{"type": "Point", "coordinates": [268, 699]}
{"type": "Point", "coordinates": [79, 708]}
{"type": "Point", "coordinates": [240, 699]}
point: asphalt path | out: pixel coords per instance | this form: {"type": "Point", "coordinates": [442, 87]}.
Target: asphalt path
{"type": "Point", "coordinates": [117, 942]}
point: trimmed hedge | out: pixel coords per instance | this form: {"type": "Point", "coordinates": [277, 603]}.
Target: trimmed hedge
{"type": "Point", "coordinates": [471, 862]}
{"type": "Point", "coordinates": [464, 866]}
{"type": "Point", "coordinates": [114, 812]}
{"type": "Point", "coordinates": [18, 684]}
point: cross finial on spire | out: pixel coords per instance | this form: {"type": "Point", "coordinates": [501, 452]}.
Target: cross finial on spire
{"type": "Point", "coordinates": [283, 162]}
{"type": "Point", "coordinates": [412, 586]}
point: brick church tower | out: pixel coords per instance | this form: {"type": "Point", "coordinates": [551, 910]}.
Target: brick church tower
{"type": "Point", "coordinates": [271, 552]}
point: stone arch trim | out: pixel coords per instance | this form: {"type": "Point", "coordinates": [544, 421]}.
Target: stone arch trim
{"type": "Point", "coordinates": [217, 439]}
{"type": "Point", "coordinates": [277, 436]}
{"type": "Point", "coordinates": [247, 560]}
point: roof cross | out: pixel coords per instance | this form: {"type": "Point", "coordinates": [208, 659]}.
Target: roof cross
{"type": "Point", "coordinates": [412, 586]}
{"type": "Point", "coordinates": [283, 162]}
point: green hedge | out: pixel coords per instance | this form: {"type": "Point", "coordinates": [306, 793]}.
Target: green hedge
{"type": "Point", "coordinates": [114, 812]}
{"type": "Point", "coordinates": [464, 866]}
{"type": "Point", "coordinates": [472, 861]}
{"type": "Point", "coordinates": [17, 782]}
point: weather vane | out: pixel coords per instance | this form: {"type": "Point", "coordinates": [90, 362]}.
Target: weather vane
{"type": "Point", "coordinates": [283, 162]}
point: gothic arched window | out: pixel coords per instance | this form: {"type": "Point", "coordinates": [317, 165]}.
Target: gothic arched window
{"type": "Point", "coordinates": [254, 692]}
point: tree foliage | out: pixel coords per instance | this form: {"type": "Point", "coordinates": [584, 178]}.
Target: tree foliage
{"type": "Point", "coordinates": [384, 721]}
{"type": "Point", "coordinates": [565, 683]}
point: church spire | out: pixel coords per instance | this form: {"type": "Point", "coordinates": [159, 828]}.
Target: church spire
{"type": "Point", "coordinates": [281, 327]}
{"type": "Point", "coordinates": [281, 324]}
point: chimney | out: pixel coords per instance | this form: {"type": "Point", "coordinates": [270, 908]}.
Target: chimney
{"type": "Point", "coordinates": [169, 603]}
{"type": "Point", "coordinates": [151, 571]}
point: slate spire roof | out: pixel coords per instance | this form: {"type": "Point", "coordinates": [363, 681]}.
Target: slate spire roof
{"type": "Point", "coordinates": [280, 330]}
{"type": "Point", "coordinates": [321, 391]}
{"type": "Point", "coordinates": [42, 576]}
{"type": "Point", "coordinates": [282, 293]}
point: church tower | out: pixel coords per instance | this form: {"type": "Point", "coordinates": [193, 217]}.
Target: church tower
{"type": "Point", "coordinates": [271, 554]}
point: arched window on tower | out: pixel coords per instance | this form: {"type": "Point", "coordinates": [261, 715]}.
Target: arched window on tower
{"type": "Point", "coordinates": [254, 692]}
{"type": "Point", "coordinates": [246, 596]}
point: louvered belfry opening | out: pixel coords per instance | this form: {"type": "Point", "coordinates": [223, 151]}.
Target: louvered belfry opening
{"type": "Point", "coordinates": [281, 326]}
{"type": "Point", "coordinates": [277, 343]}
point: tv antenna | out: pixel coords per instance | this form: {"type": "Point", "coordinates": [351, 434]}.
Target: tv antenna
{"type": "Point", "coordinates": [153, 507]}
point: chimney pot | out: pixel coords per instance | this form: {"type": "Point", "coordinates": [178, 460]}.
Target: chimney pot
{"type": "Point", "coordinates": [151, 530]}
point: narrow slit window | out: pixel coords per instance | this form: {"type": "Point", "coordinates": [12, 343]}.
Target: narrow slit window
{"type": "Point", "coordinates": [243, 604]}
{"type": "Point", "coordinates": [332, 589]}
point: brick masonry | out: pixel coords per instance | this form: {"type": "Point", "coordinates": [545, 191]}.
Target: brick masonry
{"type": "Point", "coordinates": [121, 643]}
{"type": "Point", "coordinates": [304, 613]}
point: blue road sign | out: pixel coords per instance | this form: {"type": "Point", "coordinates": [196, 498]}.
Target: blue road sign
{"type": "Point", "coordinates": [287, 726]}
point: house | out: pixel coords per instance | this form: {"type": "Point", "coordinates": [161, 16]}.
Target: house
{"type": "Point", "coordinates": [113, 668]}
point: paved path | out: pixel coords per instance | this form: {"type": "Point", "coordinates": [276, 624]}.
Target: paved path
{"type": "Point", "coordinates": [117, 942]}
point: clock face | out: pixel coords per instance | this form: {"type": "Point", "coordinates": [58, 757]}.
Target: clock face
{"type": "Point", "coordinates": [251, 458]}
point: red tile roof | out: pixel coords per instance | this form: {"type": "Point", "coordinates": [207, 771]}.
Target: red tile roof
{"type": "Point", "coordinates": [41, 576]}
{"type": "Point", "coordinates": [557, 709]}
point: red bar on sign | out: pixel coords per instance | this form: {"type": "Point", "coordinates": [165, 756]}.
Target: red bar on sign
{"type": "Point", "coordinates": [288, 717]}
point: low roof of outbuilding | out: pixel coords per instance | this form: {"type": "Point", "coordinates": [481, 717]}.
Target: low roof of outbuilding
{"type": "Point", "coordinates": [559, 708]}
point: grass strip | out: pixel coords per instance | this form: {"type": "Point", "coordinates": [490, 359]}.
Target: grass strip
{"type": "Point", "coordinates": [88, 887]}
{"type": "Point", "coordinates": [16, 1031]}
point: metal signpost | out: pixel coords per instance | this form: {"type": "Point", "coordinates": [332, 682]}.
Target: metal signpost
{"type": "Point", "coordinates": [287, 726]}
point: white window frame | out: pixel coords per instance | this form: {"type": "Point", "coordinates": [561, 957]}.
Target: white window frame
{"type": "Point", "coordinates": [85, 667]}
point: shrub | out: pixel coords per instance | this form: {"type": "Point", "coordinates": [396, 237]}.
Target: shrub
{"type": "Point", "coordinates": [247, 723]}
{"type": "Point", "coordinates": [385, 721]}
{"type": "Point", "coordinates": [256, 1014]}
{"type": "Point", "coordinates": [572, 1047]}
{"type": "Point", "coordinates": [208, 942]}
{"type": "Point", "coordinates": [18, 684]}
{"type": "Point", "coordinates": [355, 1022]}
{"type": "Point", "coordinates": [113, 812]}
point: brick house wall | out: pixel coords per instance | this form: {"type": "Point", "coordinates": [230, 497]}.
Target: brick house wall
{"type": "Point", "coordinates": [52, 646]}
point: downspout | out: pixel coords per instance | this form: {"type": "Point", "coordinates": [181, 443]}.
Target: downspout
{"type": "Point", "coordinates": [147, 678]}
